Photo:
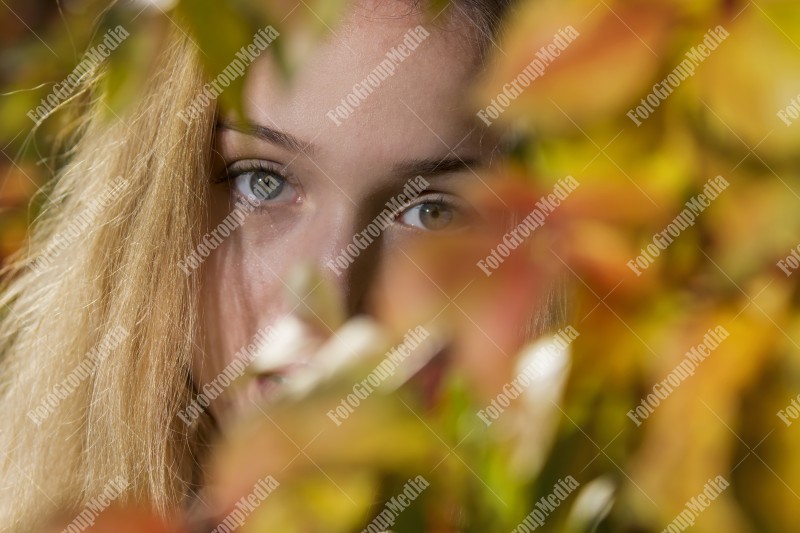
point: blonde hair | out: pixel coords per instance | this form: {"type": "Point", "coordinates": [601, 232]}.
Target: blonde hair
{"type": "Point", "coordinates": [113, 292]}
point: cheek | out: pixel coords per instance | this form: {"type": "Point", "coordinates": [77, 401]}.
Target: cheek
{"type": "Point", "coordinates": [258, 227]}
{"type": "Point", "coordinates": [239, 296]}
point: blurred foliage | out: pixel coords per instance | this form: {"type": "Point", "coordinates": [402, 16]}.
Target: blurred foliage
{"type": "Point", "coordinates": [634, 330]}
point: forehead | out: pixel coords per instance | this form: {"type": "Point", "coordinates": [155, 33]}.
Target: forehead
{"type": "Point", "coordinates": [417, 104]}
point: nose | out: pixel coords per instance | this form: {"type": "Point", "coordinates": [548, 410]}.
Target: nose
{"type": "Point", "coordinates": [346, 250]}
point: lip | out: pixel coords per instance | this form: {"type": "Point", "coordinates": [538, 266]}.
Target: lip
{"type": "Point", "coordinates": [423, 373]}
{"type": "Point", "coordinates": [268, 386]}
{"type": "Point", "coordinates": [427, 381]}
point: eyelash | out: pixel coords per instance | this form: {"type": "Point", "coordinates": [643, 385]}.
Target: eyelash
{"type": "Point", "coordinates": [236, 169]}
{"type": "Point", "coordinates": [459, 208]}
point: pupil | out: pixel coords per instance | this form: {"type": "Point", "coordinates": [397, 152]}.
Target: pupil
{"type": "Point", "coordinates": [266, 186]}
{"type": "Point", "coordinates": [433, 217]}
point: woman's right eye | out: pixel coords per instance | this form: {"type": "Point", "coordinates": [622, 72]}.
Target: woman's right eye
{"type": "Point", "coordinates": [263, 186]}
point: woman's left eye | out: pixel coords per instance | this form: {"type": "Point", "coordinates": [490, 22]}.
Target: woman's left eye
{"type": "Point", "coordinates": [433, 216]}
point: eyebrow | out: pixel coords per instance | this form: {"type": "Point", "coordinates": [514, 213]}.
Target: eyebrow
{"type": "Point", "coordinates": [430, 167]}
{"type": "Point", "coordinates": [435, 166]}
{"type": "Point", "coordinates": [271, 135]}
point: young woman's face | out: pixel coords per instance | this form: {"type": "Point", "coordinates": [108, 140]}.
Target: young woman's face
{"type": "Point", "coordinates": [321, 181]}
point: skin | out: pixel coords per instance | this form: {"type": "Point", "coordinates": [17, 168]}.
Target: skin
{"type": "Point", "coordinates": [339, 177]}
